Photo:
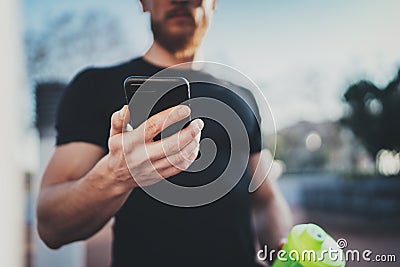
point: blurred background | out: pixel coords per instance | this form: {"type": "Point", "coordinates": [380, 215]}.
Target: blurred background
{"type": "Point", "coordinates": [329, 69]}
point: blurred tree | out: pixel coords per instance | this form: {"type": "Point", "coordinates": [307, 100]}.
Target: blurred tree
{"type": "Point", "coordinates": [374, 114]}
{"type": "Point", "coordinates": [71, 41]}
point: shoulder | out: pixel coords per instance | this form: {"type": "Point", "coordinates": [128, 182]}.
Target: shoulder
{"type": "Point", "coordinates": [101, 74]}
{"type": "Point", "coordinates": [101, 82]}
{"type": "Point", "coordinates": [245, 94]}
{"type": "Point", "coordinates": [241, 96]}
{"type": "Point", "coordinates": [231, 89]}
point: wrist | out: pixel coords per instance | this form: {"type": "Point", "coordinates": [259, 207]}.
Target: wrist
{"type": "Point", "coordinates": [112, 180]}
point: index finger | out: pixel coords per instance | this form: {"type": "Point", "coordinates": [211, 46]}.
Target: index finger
{"type": "Point", "coordinates": [160, 121]}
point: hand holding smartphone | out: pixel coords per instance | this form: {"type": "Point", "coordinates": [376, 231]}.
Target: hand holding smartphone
{"type": "Point", "coordinates": [147, 96]}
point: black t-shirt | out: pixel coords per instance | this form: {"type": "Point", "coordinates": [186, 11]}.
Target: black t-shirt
{"type": "Point", "coordinates": [147, 232]}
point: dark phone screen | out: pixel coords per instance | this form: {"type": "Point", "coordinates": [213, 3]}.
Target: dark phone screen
{"type": "Point", "coordinates": [148, 96]}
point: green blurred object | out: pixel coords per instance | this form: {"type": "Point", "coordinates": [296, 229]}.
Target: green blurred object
{"type": "Point", "coordinates": [308, 245]}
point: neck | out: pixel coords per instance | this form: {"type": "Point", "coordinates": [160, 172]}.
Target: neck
{"type": "Point", "coordinates": [159, 56]}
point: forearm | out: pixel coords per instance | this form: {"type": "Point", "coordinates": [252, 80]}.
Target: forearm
{"type": "Point", "coordinates": [77, 209]}
{"type": "Point", "coordinates": [273, 220]}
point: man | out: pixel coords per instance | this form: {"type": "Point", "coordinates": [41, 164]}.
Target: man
{"type": "Point", "coordinates": [87, 181]}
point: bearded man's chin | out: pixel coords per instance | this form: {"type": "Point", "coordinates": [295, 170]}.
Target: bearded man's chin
{"type": "Point", "coordinates": [173, 42]}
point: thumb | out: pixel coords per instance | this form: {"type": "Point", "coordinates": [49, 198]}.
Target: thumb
{"type": "Point", "coordinates": [119, 121]}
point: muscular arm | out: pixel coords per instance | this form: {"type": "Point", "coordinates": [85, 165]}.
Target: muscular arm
{"type": "Point", "coordinates": [82, 189]}
{"type": "Point", "coordinates": [77, 196]}
{"type": "Point", "coordinates": [272, 213]}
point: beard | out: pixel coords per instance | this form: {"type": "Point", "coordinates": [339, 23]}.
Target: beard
{"type": "Point", "coordinates": [182, 43]}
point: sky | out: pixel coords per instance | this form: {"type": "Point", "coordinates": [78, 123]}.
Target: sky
{"type": "Point", "coordinates": [302, 54]}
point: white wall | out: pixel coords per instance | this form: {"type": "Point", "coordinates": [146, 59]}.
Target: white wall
{"type": "Point", "coordinates": [16, 156]}
{"type": "Point", "coordinates": [11, 159]}
{"type": "Point", "coordinates": [70, 255]}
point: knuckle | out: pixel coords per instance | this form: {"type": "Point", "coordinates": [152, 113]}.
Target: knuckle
{"type": "Point", "coordinates": [179, 157]}
{"type": "Point", "coordinates": [147, 171]}
{"type": "Point", "coordinates": [114, 144]}
{"type": "Point", "coordinates": [192, 147]}
{"type": "Point", "coordinates": [150, 157]}
{"type": "Point", "coordinates": [169, 172]}
{"type": "Point", "coordinates": [114, 125]}
{"type": "Point", "coordinates": [144, 158]}
{"type": "Point", "coordinates": [153, 155]}
{"type": "Point", "coordinates": [135, 157]}
{"type": "Point", "coordinates": [174, 116]}
{"type": "Point", "coordinates": [185, 153]}
{"type": "Point", "coordinates": [193, 132]}
{"type": "Point", "coordinates": [157, 176]}
{"type": "Point", "coordinates": [114, 116]}
{"type": "Point", "coordinates": [151, 127]}
{"type": "Point", "coordinates": [194, 155]}
{"type": "Point", "coordinates": [191, 158]}
{"type": "Point", "coordinates": [169, 146]}
{"type": "Point", "coordinates": [138, 136]}
{"type": "Point", "coordinates": [194, 152]}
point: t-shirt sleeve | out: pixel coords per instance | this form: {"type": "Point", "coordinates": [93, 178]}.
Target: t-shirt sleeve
{"type": "Point", "coordinates": [80, 115]}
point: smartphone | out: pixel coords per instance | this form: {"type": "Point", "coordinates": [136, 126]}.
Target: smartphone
{"type": "Point", "coordinates": [147, 96]}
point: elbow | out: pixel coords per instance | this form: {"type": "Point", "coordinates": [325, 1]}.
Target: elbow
{"type": "Point", "coordinates": [47, 237]}
{"type": "Point", "coordinates": [46, 231]}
